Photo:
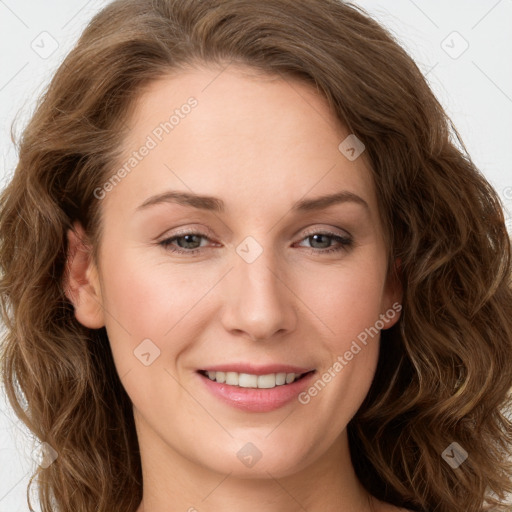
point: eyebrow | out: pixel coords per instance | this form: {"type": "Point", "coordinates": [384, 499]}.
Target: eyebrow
{"type": "Point", "coordinates": [215, 204]}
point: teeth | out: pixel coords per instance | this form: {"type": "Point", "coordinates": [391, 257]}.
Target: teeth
{"type": "Point", "coordinates": [247, 380]}
{"type": "Point", "coordinates": [232, 378]}
{"type": "Point", "coordinates": [290, 377]}
{"type": "Point", "coordinates": [280, 379]}
{"type": "Point", "coordinates": [268, 381]}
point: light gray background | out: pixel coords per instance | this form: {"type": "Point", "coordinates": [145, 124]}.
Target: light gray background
{"type": "Point", "coordinates": [475, 88]}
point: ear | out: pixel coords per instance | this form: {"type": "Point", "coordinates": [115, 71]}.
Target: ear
{"type": "Point", "coordinates": [393, 294]}
{"type": "Point", "coordinates": [81, 280]}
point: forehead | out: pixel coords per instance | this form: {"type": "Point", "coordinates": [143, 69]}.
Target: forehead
{"type": "Point", "coordinates": [240, 135]}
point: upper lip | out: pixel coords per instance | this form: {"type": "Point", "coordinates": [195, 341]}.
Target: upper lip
{"type": "Point", "coordinates": [256, 369]}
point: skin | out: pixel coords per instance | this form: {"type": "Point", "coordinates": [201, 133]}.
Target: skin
{"type": "Point", "coordinates": [260, 145]}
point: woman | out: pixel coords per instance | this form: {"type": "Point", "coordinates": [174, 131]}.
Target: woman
{"type": "Point", "coordinates": [254, 369]}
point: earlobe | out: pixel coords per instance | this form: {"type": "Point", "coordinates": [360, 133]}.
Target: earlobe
{"type": "Point", "coordinates": [81, 281]}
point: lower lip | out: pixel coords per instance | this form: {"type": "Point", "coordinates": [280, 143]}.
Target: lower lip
{"type": "Point", "coordinates": [255, 399]}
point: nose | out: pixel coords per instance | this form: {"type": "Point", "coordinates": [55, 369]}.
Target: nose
{"type": "Point", "coordinates": [259, 302]}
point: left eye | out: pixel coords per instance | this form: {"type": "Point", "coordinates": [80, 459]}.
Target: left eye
{"type": "Point", "coordinates": [190, 242]}
{"type": "Point", "coordinates": [190, 239]}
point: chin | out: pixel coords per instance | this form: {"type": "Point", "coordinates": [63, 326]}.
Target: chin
{"type": "Point", "coordinates": [259, 460]}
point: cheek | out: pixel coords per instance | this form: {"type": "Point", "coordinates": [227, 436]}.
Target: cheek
{"type": "Point", "coordinates": [149, 298]}
{"type": "Point", "coordinates": [347, 300]}
{"type": "Point", "coordinates": [350, 351]}
{"type": "Point", "coordinates": [144, 301]}
{"type": "Point", "coordinates": [348, 303]}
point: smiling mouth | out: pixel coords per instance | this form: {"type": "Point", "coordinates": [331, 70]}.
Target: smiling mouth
{"type": "Point", "coordinates": [248, 380]}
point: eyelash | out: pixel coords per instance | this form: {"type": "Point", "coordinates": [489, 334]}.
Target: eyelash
{"type": "Point", "coordinates": [345, 243]}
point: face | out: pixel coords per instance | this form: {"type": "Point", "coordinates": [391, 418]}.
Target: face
{"type": "Point", "coordinates": [217, 255]}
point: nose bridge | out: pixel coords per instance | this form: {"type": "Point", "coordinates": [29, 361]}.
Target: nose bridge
{"type": "Point", "coordinates": [259, 303]}
{"type": "Point", "coordinates": [258, 275]}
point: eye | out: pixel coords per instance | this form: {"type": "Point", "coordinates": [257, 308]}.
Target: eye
{"type": "Point", "coordinates": [189, 242]}
{"type": "Point", "coordinates": [322, 237]}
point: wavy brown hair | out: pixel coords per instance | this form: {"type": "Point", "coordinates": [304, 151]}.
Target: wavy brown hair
{"type": "Point", "coordinates": [446, 372]}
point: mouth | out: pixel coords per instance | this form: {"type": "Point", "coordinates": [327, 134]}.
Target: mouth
{"type": "Point", "coordinates": [260, 392]}
{"type": "Point", "coordinates": [251, 380]}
